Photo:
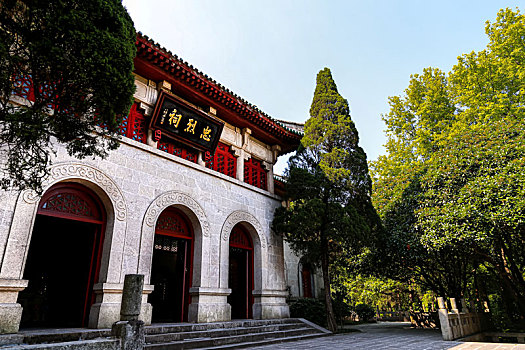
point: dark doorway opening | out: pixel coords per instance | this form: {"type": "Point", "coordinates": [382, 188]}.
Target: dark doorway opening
{"type": "Point", "coordinates": [306, 277]}
{"type": "Point", "coordinates": [240, 276]}
{"type": "Point", "coordinates": [171, 268]}
{"type": "Point", "coordinates": [63, 259]}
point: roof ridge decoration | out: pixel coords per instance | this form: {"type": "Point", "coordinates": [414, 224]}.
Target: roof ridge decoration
{"type": "Point", "coordinates": [265, 121]}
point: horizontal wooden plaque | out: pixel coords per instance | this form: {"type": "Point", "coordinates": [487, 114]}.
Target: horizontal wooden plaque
{"type": "Point", "coordinates": [184, 123]}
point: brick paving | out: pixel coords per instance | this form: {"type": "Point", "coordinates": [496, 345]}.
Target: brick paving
{"type": "Point", "coordinates": [387, 335]}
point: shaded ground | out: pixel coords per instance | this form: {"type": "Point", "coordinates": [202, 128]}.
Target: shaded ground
{"type": "Point", "coordinates": [387, 335]}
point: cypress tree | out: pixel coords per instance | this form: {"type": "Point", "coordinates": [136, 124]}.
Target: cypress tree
{"type": "Point", "coordinates": [330, 217]}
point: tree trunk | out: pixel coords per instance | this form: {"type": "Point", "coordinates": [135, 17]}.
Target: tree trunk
{"type": "Point", "coordinates": [511, 277]}
{"type": "Point", "coordinates": [330, 316]}
{"type": "Point", "coordinates": [506, 278]}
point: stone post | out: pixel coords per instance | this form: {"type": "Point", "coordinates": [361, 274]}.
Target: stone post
{"type": "Point", "coordinates": [464, 307]}
{"type": "Point", "coordinates": [454, 309]}
{"type": "Point", "coordinates": [131, 297]}
{"type": "Point", "coordinates": [441, 303]}
{"type": "Point", "coordinates": [469, 327]}
{"type": "Point", "coordinates": [472, 306]}
{"type": "Point", "coordinates": [454, 306]}
{"type": "Point", "coordinates": [446, 329]}
{"type": "Point", "coordinates": [130, 330]}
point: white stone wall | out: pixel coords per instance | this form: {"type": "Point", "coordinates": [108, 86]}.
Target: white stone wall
{"type": "Point", "coordinates": [135, 183]}
{"type": "Point", "coordinates": [293, 268]}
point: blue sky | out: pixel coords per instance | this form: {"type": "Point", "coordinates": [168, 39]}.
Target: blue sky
{"type": "Point", "coordinates": [269, 52]}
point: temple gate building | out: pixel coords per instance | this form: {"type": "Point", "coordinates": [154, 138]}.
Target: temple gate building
{"type": "Point", "coordinates": [187, 200]}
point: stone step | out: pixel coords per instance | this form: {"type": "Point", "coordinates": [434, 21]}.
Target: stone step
{"type": "Point", "coordinates": [92, 344]}
{"type": "Point", "coordinates": [199, 343]}
{"type": "Point", "coordinates": [219, 332]}
{"type": "Point", "coordinates": [190, 327]}
{"type": "Point", "coordinates": [62, 335]}
{"type": "Point", "coordinates": [250, 344]}
{"type": "Point", "coordinates": [11, 339]}
{"type": "Point", "coordinates": [238, 333]}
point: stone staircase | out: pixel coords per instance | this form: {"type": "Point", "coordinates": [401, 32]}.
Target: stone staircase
{"type": "Point", "coordinates": [230, 335]}
{"type": "Point", "coordinates": [60, 339]}
{"type": "Point", "coordinates": [218, 335]}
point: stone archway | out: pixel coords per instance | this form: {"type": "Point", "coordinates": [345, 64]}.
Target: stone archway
{"type": "Point", "coordinates": [63, 259]}
{"type": "Point", "coordinates": [15, 254]}
{"type": "Point", "coordinates": [201, 244]}
{"type": "Point", "coordinates": [171, 268]}
{"type": "Point", "coordinates": [254, 228]}
{"type": "Point", "coordinates": [266, 303]}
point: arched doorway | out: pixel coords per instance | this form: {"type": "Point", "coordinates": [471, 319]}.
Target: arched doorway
{"type": "Point", "coordinates": [63, 260]}
{"type": "Point", "coordinates": [171, 267]}
{"type": "Point", "coordinates": [240, 276]}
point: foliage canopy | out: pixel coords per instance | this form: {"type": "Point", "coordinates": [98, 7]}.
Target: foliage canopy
{"type": "Point", "coordinates": [451, 188]}
{"type": "Point", "coordinates": [66, 69]}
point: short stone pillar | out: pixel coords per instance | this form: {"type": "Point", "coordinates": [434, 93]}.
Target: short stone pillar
{"type": "Point", "coordinates": [130, 330]}
{"type": "Point", "coordinates": [131, 297]}
{"type": "Point", "coordinates": [446, 329]}
{"type": "Point", "coordinates": [464, 307]}
{"type": "Point", "coordinates": [441, 303]}
{"type": "Point", "coordinates": [454, 306]}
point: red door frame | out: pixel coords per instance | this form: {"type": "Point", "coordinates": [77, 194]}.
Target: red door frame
{"type": "Point", "coordinates": [246, 244]}
{"type": "Point", "coordinates": [98, 218]}
{"type": "Point", "coordinates": [171, 211]}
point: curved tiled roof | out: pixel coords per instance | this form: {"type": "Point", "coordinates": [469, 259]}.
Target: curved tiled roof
{"type": "Point", "coordinates": [292, 126]}
{"type": "Point", "coordinates": [179, 69]}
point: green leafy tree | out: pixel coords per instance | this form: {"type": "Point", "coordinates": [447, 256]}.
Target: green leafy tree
{"type": "Point", "coordinates": [451, 188]}
{"type": "Point", "coordinates": [330, 214]}
{"type": "Point", "coordinates": [475, 198]}
{"type": "Point", "coordinates": [77, 56]}
{"type": "Point", "coordinates": [415, 123]}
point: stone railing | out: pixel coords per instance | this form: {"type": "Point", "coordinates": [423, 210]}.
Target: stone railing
{"type": "Point", "coordinates": [456, 324]}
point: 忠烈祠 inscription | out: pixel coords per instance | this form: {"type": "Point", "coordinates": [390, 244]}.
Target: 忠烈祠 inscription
{"type": "Point", "coordinates": [182, 122]}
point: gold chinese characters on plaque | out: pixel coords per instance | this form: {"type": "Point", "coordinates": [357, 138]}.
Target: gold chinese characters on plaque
{"type": "Point", "coordinates": [180, 121]}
